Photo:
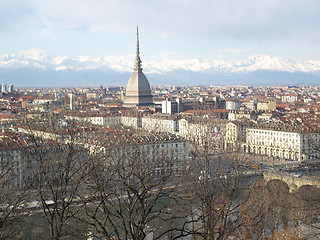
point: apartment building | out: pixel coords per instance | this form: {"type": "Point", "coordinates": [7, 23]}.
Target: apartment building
{"type": "Point", "coordinates": [284, 142]}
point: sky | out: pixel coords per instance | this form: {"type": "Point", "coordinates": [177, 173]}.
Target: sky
{"type": "Point", "coordinates": [169, 29]}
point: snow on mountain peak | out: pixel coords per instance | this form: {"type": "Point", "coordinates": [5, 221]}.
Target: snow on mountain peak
{"type": "Point", "coordinates": [38, 59]}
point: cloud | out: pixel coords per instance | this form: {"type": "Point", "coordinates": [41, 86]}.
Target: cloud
{"type": "Point", "coordinates": [179, 15]}
{"type": "Point", "coordinates": [169, 55]}
{"type": "Point", "coordinates": [230, 50]}
{"type": "Point", "coordinates": [34, 54]}
{"type": "Point", "coordinates": [244, 22]}
{"type": "Point", "coordinates": [14, 13]}
{"type": "Point", "coordinates": [262, 20]}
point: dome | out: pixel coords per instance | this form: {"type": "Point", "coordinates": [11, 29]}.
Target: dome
{"type": "Point", "coordinates": [138, 84]}
{"type": "Point", "coordinates": [138, 88]}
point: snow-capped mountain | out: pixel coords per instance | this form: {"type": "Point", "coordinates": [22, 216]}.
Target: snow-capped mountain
{"type": "Point", "coordinates": [44, 70]}
{"type": "Point", "coordinates": [125, 64]}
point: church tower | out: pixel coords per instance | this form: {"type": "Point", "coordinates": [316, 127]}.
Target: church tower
{"type": "Point", "coordinates": [138, 91]}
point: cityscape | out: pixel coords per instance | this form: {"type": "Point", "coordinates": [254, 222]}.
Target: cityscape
{"type": "Point", "coordinates": [120, 153]}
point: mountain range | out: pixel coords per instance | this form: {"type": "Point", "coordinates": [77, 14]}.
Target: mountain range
{"type": "Point", "coordinates": [36, 69]}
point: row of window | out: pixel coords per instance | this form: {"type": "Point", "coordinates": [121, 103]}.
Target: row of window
{"type": "Point", "coordinates": [255, 132]}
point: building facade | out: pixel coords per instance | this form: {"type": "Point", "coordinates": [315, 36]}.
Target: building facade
{"type": "Point", "coordinates": [283, 143]}
{"type": "Point", "coordinates": [235, 135]}
{"type": "Point", "coordinates": [233, 105]}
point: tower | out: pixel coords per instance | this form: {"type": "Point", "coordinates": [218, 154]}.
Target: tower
{"type": "Point", "coordinates": [10, 88]}
{"type": "Point", "coordinates": [72, 101]}
{"type": "Point", "coordinates": [138, 91]}
{"type": "Point", "coordinates": [3, 88]}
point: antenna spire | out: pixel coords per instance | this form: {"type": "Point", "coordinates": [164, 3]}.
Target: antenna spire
{"type": "Point", "coordinates": [138, 60]}
{"type": "Point", "coordinates": [138, 40]}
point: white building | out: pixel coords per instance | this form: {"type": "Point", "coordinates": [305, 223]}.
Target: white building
{"type": "Point", "coordinates": [106, 120]}
{"type": "Point", "coordinates": [240, 115]}
{"type": "Point", "coordinates": [171, 107]}
{"type": "Point", "coordinates": [160, 151]}
{"type": "Point", "coordinates": [160, 123]}
{"type": "Point", "coordinates": [289, 98]}
{"type": "Point", "coordinates": [203, 131]}
{"type": "Point", "coordinates": [131, 121]}
{"type": "Point", "coordinates": [72, 100]}
{"type": "Point", "coordinates": [251, 105]}
{"type": "Point", "coordinates": [168, 151]}
{"type": "Point", "coordinates": [235, 135]}
{"type": "Point", "coordinates": [92, 95]}
{"type": "Point", "coordinates": [10, 88]}
{"type": "Point", "coordinates": [103, 120]}
{"type": "Point", "coordinates": [58, 135]}
{"type": "Point", "coordinates": [267, 105]}
{"type": "Point", "coordinates": [3, 88]}
{"type": "Point", "coordinates": [233, 105]}
{"type": "Point", "coordinates": [283, 143]}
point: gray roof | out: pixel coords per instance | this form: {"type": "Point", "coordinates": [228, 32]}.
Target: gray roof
{"type": "Point", "coordinates": [138, 84]}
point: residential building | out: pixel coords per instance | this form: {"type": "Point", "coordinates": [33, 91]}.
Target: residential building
{"type": "Point", "coordinates": [266, 105]}
{"type": "Point", "coordinates": [233, 105]}
{"type": "Point", "coordinates": [160, 123]}
{"type": "Point", "coordinates": [235, 135]}
{"type": "Point", "coordinates": [3, 88]}
{"type": "Point", "coordinates": [172, 106]}
{"type": "Point", "coordinates": [284, 142]}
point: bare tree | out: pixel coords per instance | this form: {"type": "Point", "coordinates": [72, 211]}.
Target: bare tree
{"type": "Point", "coordinates": [58, 170]}
{"type": "Point", "coordinates": [131, 192]}
{"type": "Point", "coordinates": [13, 194]}
{"type": "Point", "coordinates": [218, 192]}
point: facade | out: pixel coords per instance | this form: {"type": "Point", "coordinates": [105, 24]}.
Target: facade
{"type": "Point", "coordinates": [160, 123]}
{"type": "Point", "coordinates": [289, 98]}
{"type": "Point", "coordinates": [10, 88]}
{"type": "Point", "coordinates": [233, 105]}
{"type": "Point", "coordinates": [57, 135]}
{"type": "Point", "coordinates": [268, 105]}
{"type": "Point", "coordinates": [106, 120]}
{"type": "Point", "coordinates": [169, 107]}
{"type": "Point", "coordinates": [165, 151]}
{"type": "Point", "coordinates": [240, 115]}
{"type": "Point", "coordinates": [72, 100]}
{"type": "Point", "coordinates": [103, 120]}
{"type": "Point", "coordinates": [190, 104]}
{"type": "Point", "coordinates": [3, 88]}
{"type": "Point", "coordinates": [138, 91]}
{"type": "Point", "coordinates": [203, 131]}
{"type": "Point", "coordinates": [92, 95]}
{"type": "Point", "coordinates": [161, 152]}
{"type": "Point", "coordinates": [172, 107]}
{"type": "Point", "coordinates": [251, 105]}
{"type": "Point", "coordinates": [235, 135]}
{"type": "Point", "coordinates": [282, 143]}
{"type": "Point", "coordinates": [131, 121]}
{"type": "Point", "coordinates": [19, 161]}
{"type": "Point", "coordinates": [11, 164]}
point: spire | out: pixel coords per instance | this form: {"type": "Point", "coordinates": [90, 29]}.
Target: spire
{"type": "Point", "coordinates": [137, 62]}
{"type": "Point", "coordinates": [138, 41]}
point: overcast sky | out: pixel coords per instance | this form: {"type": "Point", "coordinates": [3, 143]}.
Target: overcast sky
{"type": "Point", "coordinates": [212, 29]}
